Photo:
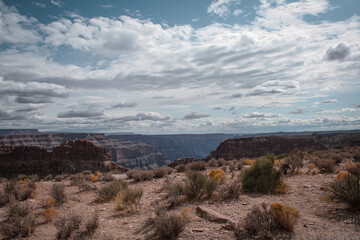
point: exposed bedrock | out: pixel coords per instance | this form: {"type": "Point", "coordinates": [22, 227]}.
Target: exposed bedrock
{"type": "Point", "coordinates": [70, 157]}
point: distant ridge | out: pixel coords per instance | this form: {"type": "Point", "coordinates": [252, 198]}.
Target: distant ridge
{"type": "Point", "coordinates": [5, 132]}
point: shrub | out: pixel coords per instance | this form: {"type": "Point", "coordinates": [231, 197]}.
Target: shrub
{"type": "Point", "coordinates": [92, 224]}
{"type": "Point", "coordinates": [87, 172]}
{"type": "Point", "coordinates": [238, 166]}
{"type": "Point", "coordinates": [260, 221]}
{"type": "Point", "coordinates": [220, 162]}
{"type": "Point", "coordinates": [49, 177]}
{"type": "Point", "coordinates": [99, 174]}
{"type": "Point", "coordinates": [130, 199]}
{"type": "Point", "coordinates": [249, 162]}
{"type": "Point", "coordinates": [141, 175]}
{"type": "Point", "coordinates": [48, 203]}
{"type": "Point", "coordinates": [94, 178]}
{"type": "Point", "coordinates": [261, 177]}
{"type": "Point", "coordinates": [110, 190]}
{"type": "Point", "coordinates": [283, 188]}
{"type": "Point", "coordinates": [232, 167]}
{"type": "Point", "coordinates": [76, 178]}
{"type": "Point", "coordinates": [66, 225]}
{"type": "Point", "coordinates": [4, 198]}
{"type": "Point", "coordinates": [326, 166]}
{"type": "Point", "coordinates": [84, 186]}
{"type": "Point", "coordinates": [199, 185]}
{"type": "Point", "coordinates": [230, 190]}
{"type": "Point", "coordinates": [49, 214]}
{"type": "Point", "coordinates": [196, 166]}
{"type": "Point", "coordinates": [356, 157]}
{"type": "Point", "coordinates": [58, 193]}
{"type": "Point", "coordinates": [180, 168]}
{"type": "Point", "coordinates": [107, 177]}
{"type": "Point", "coordinates": [160, 172]}
{"type": "Point", "coordinates": [285, 216]}
{"type": "Point", "coordinates": [20, 221]}
{"type": "Point", "coordinates": [295, 160]}
{"type": "Point", "coordinates": [212, 163]}
{"type": "Point", "coordinates": [170, 225]}
{"type": "Point", "coordinates": [347, 190]}
{"type": "Point", "coordinates": [217, 175]}
{"type": "Point", "coordinates": [341, 175]}
{"type": "Point", "coordinates": [61, 177]}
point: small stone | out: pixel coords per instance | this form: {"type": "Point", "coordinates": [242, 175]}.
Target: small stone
{"type": "Point", "coordinates": [244, 203]}
{"type": "Point", "coordinates": [306, 186]}
{"type": "Point", "coordinates": [102, 209]}
{"type": "Point", "coordinates": [197, 230]}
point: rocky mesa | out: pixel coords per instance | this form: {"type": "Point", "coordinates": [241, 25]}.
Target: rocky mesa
{"type": "Point", "coordinates": [126, 153]}
{"type": "Point", "coordinates": [252, 147]}
{"type": "Point", "coordinates": [70, 157]}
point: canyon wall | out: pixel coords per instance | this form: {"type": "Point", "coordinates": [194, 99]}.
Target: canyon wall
{"type": "Point", "coordinates": [252, 147]}
{"type": "Point", "coordinates": [179, 145]}
{"type": "Point", "coordinates": [126, 153]}
{"type": "Point", "coordinates": [70, 157]}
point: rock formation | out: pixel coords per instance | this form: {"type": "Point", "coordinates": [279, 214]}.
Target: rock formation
{"type": "Point", "coordinates": [179, 145]}
{"type": "Point", "coordinates": [70, 157]}
{"type": "Point", "coordinates": [126, 153]}
{"type": "Point", "coordinates": [251, 147]}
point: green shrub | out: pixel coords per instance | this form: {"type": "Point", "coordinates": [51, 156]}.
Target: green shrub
{"type": "Point", "coordinates": [347, 190]}
{"type": "Point", "coordinates": [261, 177]}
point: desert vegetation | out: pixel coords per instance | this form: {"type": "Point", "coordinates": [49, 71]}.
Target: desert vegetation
{"type": "Point", "coordinates": [299, 195]}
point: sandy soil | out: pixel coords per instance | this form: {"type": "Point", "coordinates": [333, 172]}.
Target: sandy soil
{"type": "Point", "coordinates": [319, 219]}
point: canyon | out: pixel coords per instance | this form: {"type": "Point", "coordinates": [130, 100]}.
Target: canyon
{"type": "Point", "coordinates": [70, 157]}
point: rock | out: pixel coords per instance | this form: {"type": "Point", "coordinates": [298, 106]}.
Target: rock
{"type": "Point", "coordinates": [213, 216]}
{"type": "Point", "coordinates": [126, 153]}
{"type": "Point", "coordinates": [244, 203]}
{"type": "Point", "coordinates": [197, 230]}
{"type": "Point", "coordinates": [70, 157]}
{"type": "Point", "coordinates": [251, 147]}
{"type": "Point", "coordinates": [306, 186]}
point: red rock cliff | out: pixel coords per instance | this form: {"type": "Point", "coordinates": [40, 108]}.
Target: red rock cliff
{"type": "Point", "coordinates": [70, 157]}
{"type": "Point", "coordinates": [252, 147]}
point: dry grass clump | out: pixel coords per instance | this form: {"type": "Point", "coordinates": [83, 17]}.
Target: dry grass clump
{"type": "Point", "coordinates": [196, 187]}
{"type": "Point", "coordinates": [347, 189]}
{"type": "Point", "coordinates": [197, 166]}
{"type": "Point", "coordinates": [295, 161]}
{"type": "Point", "coordinates": [107, 177]}
{"type": "Point", "coordinates": [20, 190]}
{"type": "Point", "coordinates": [249, 161]}
{"type": "Point", "coordinates": [356, 157]}
{"type": "Point", "coordinates": [218, 175]}
{"type": "Point", "coordinates": [61, 177]}
{"type": "Point", "coordinates": [49, 177]}
{"type": "Point", "coordinates": [230, 190]}
{"type": "Point", "coordinates": [49, 214]}
{"type": "Point", "coordinates": [58, 193]}
{"type": "Point", "coordinates": [92, 224]}
{"type": "Point", "coordinates": [259, 222]}
{"type": "Point", "coordinates": [264, 222]}
{"type": "Point", "coordinates": [167, 225]}
{"type": "Point", "coordinates": [326, 165]}
{"type": "Point", "coordinates": [285, 216]}
{"type": "Point", "coordinates": [20, 221]}
{"type": "Point", "coordinates": [94, 178]}
{"type": "Point", "coordinates": [140, 175]}
{"type": "Point", "coordinates": [181, 168]}
{"type": "Point", "coordinates": [160, 172]}
{"type": "Point", "coordinates": [110, 190]}
{"type": "Point", "coordinates": [283, 188]}
{"type": "Point", "coordinates": [129, 199]}
{"type": "Point", "coordinates": [66, 225]}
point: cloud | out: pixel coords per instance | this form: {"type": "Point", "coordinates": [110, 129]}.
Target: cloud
{"type": "Point", "coordinates": [236, 95]}
{"type": "Point", "coordinates": [328, 101]}
{"type": "Point", "coordinates": [194, 115]}
{"type": "Point", "coordinates": [16, 28]}
{"type": "Point", "coordinates": [336, 111]}
{"type": "Point", "coordinates": [38, 4]}
{"type": "Point", "coordinates": [148, 116]}
{"type": "Point", "coordinates": [57, 3]}
{"type": "Point", "coordinates": [125, 105]}
{"type": "Point", "coordinates": [261, 115]}
{"type": "Point", "coordinates": [299, 110]}
{"type": "Point", "coordinates": [26, 109]}
{"type": "Point", "coordinates": [106, 6]}
{"type": "Point", "coordinates": [79, 114]}
{"type": "Point", "coordinates": [237, 12]}
{"type": "Point", "coordinates": [32, 92]}
{"type": "Point", "coordinates": [221, 7]}
{"type": "Point", "coordinates": [274, 87]}
{"type": "Point", "coordinates": [340, 52]}
{"type": "Point", "coordinates": [33, 99]}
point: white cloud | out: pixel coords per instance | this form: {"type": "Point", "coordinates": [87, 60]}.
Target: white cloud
{"type": "Point", "coordinates": [221, 7]}
{"type": "Point", "coordinates": [237, 12]}
{"type": "Point", "coordinates": [275, 87]}
{"type": "Point", "coordinates": [57, 3]}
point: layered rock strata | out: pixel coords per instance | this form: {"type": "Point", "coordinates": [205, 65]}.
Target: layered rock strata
{"type": "Point", "coordinates": [70, 157]}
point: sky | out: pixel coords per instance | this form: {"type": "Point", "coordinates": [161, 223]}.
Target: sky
{"type": "Point", "coordinates": [189, 66]}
